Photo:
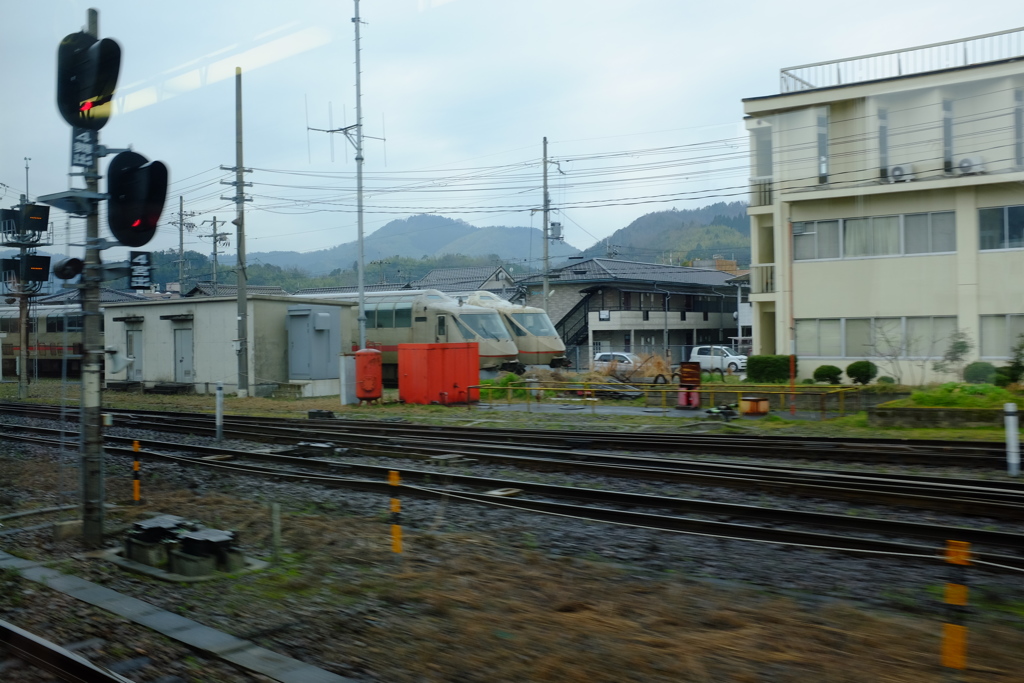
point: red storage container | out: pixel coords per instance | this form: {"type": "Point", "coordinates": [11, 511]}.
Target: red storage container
{"type": "Point", "coordinates": [438, 373]}
{"type": "Point", "coordinates": [369, 375]}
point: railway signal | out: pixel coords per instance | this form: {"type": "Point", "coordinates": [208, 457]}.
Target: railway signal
{"type": "Point", "coordinates": [137, 189]}
{"type": "Point", "coordinates": [87, 70]}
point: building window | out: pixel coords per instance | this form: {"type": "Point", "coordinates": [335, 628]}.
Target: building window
{"type": "Point", "coordinates": [647, 315]}
{"type": "Point", "coordinates": [883, 143]}
{"type": "Point", "coordinates": [823, 146]}
{"type": "Point", "coordinates": [999, 334]}
{"type": "Point", "coordinates": [1001, 228]}
{"type": "Point", "coordinates": [909, 234]}
{"type": "Point", "coordinates": [1018, 127]}
{"type": "Point", "coordinates": [896, 337]}
{"type": "Point", "coordinates": [705, 316]}
{"type": "Point", "coordinates": [947, 136]}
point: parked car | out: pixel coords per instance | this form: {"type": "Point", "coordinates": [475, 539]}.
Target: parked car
{"type": "Point", "coordinates": [718, 358]}
{"type": "Point", "coordinates": [623, 362]}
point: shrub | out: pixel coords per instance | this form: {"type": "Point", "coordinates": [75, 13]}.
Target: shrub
{"type": "Point", "coordinates": [862, 371]}
{"type": "Point", "coordinates": [885, 379]}
{"type": "Point", "coordinates": [768, 369]}
{"type": "Point", "coordinates": [957, 395]}
{"type": "Point", "coordinates": [1004, 377]}
{"type": "Point", "coordinates": [807, 380]}
{"type": "Point", "coordinates": [828, 373]}
{"type": "Point", "coordinates": [980, 373]}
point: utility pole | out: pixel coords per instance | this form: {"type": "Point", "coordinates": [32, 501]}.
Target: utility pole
{"type": "Point", "coordinates": [182, 227]}
{"type": "Point", "coordinates": [216, 241]}
{"type": "Point", "coordinates": [240, 199]}
{"type": "Point", "coordinates": [547, 210]}
{"type": "Point", "coordinates": [359, 187]}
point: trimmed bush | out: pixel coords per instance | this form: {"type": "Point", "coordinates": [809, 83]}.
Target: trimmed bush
{"type": "Point", "coordinates": [807, 380]}
{"type": "Point", "coordinates": [828, 373]}
{"type": "Point", "coordinates": [885, 379]}
{"type": "Point", "coordinates": [768, 369]}
{"type": "Point", "coordinates": [980, 373]}
{"type": "Point", "coordinates": [862, 371]}
{"type": "Point", "coordinates": [1004, 377]}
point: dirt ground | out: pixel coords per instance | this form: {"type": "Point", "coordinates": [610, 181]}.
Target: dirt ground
{"type": "Point", "coordinates": [462, 607]}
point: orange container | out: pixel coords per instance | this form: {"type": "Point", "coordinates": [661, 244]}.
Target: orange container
{"type": "Point", "coordinates": [369, 375]}
{"type": "Point", "coordinates": [438, 373]}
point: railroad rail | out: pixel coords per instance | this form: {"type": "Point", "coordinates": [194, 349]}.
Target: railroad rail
{"type": "Point", "coordinates": [43, 654]}
{"type": "Point", "coordinates": [986, 455]}
{"type": "Point", "coordinates": [765, 524]}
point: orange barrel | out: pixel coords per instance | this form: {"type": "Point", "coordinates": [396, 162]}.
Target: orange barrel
{"type": "Point", "coordinates": [369, 375]}
{"type": "Point", "coordinates": [688, 398]}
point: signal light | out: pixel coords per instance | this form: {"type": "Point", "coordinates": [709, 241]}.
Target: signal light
{"type": "Point", "coordinates": [137, 189]}
{"type": "Point", "coordinates": [37, 268]}
{"type": "Point", "coordinates": [87, 70]}
{"type": "Point", "coordinates": [68, 268]}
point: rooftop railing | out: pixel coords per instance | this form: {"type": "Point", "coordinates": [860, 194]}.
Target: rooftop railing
{"type": "Point", "coordinates": [990, 47]}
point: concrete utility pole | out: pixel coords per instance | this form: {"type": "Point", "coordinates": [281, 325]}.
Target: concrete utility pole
{"type": "Point", "coordinates": [240, 199]}
{"type": "Point", "coordinates": [92, 465]}
{"type": "Point", "coordinates": [182, 227]}
{"type": "Point", "coordinates": [359, 187]}
{"type": "Point", "coordinates": [547, 210]}
{"type": "Point", "coordinates": [216, 241]}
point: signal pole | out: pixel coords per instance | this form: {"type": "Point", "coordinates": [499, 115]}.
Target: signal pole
{"type": "Point", "coordinates": [92, 466]}
{"type": "Point", "coordinates": [359, 188]}
{"type": "Point", "coordinates": [240, 199]}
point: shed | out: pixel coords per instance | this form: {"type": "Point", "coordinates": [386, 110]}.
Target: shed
{"type": "Point", "coordinates": [194, 343]}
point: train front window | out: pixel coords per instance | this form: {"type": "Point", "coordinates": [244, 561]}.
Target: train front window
{"type": "Point", "coordinates": [536, 323]}
{"type": "Point", "coordinates": [487, 325]}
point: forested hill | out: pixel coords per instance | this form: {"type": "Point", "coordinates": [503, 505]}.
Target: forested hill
{"type": "Point", "coordinates": [721, 228]}
{"type": "Point", "coordinates": [423, 236]}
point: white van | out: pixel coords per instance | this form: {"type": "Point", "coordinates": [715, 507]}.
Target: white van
{"type": "Point", "coordinates": [718, 358]}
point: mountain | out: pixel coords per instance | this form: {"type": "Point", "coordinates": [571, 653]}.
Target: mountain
{"type": "Point", "coordinates": [682, 235]}
{"type": "Point", "coordinates": [419, 236]}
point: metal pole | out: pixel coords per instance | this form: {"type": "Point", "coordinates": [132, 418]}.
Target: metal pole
{"type": "Point", "coordinates": [547, 210]}
{"type": "Point", "coordinates": [1012, 439]}
{"type": "Point", "coordinates": [92, 465]}
{"type": "Point", "coordinates": [243, 304]}
{"type": "Point", "coordinates": [220, 411]}
{"type": "Point", "coordinates": [359, 188]}
{"type": "Point", "coordinates": [23, 312]}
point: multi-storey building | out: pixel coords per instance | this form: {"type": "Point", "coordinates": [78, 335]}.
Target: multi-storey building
{"type": "Point", "coordinates": [887, 207]}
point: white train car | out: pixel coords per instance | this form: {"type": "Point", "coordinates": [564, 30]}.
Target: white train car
{"type": "Point", "coordinates": [531, 328]}
{"type": "Point", "coordinates": [427, 316]}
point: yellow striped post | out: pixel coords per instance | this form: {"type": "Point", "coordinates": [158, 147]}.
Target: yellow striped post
{"type": "Point", "coordinates": [136, 483]}
{"type": "Point", "coordinates": [954, 631]}
{"type": "Point", "coordinates": [396, 513]}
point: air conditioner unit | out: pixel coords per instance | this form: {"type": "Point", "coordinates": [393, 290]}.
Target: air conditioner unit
{"type": "Point", "coordinates": [970, 165]}
{"type": "Point", "coordinates": [901, 173]}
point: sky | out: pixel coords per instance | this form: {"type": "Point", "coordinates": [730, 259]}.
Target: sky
{"type": "Point", "coordinates": [640, 102]}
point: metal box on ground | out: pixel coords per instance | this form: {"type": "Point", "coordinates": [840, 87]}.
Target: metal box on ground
{"type": "Point", "coordinates": [369, 375]}
{"type": "Point", "coordinates": [753, 405]}
{"type": "Point", "coordinates": [438, 373]}
{"type": "Point", "coordinates": [314, 341]}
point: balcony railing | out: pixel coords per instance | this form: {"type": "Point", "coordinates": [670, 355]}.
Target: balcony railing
{"type": "Point", "coordinates": [762, 278]}
{"type": "Point", "coordinates": [990, 47]}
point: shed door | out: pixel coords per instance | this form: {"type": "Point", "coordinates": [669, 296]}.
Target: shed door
{"type": "Point", "coordinates": [183, 355]}
{"type": "Point", "coordinates": [134, 350]}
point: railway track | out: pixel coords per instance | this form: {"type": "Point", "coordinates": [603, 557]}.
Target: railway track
{"type": "Point", "coordinates": [52, 658]}
{"type": "Point", "coordinates": [775, 525]}
{"type": "Point", "coordinates": [982, 455]}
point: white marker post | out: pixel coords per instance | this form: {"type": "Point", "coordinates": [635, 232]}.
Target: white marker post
{"type": "Point", "coordinates": [220, 411]}
{"type": "Point", "coordinates": [1012, 439]}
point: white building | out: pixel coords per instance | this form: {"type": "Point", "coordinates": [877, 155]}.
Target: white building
{"type": "Point", "coordinates": [887, 207]}
{"type": "Point", "coordinates": [194, 341]}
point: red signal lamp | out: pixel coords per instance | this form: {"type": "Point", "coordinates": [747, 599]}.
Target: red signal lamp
{"type": "Point", "coordinates": [86, 106]}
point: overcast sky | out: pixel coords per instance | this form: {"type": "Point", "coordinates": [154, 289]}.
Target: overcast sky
{"type": "Point", "coordinates": [462, 90]}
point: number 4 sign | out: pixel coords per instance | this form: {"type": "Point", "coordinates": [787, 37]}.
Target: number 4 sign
{"type": "Point", "coordinates": [141, 270]}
